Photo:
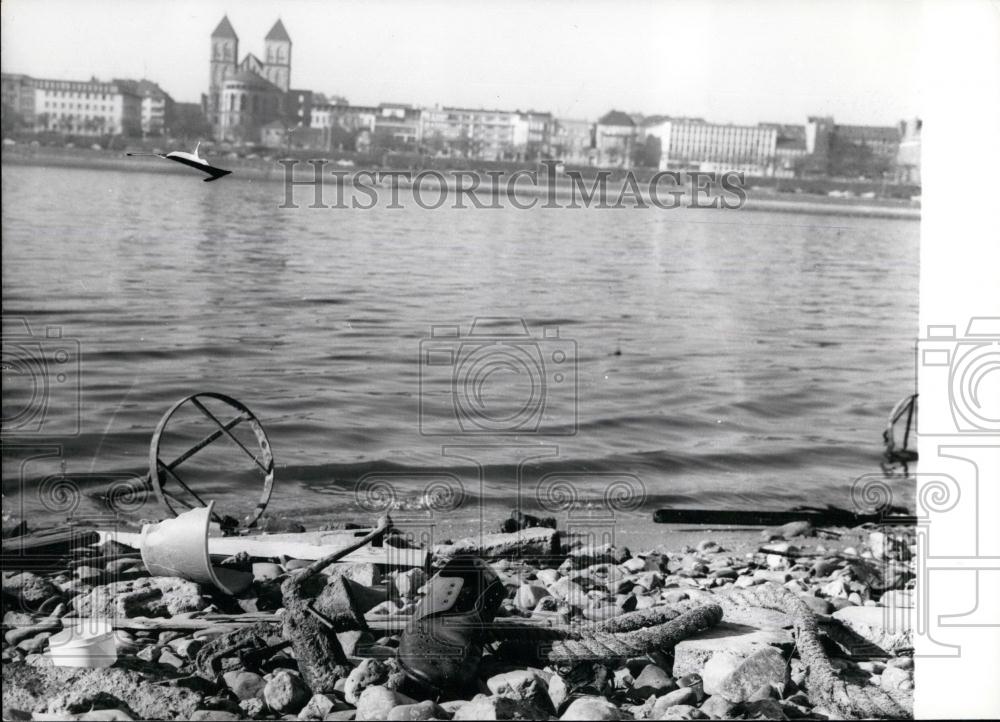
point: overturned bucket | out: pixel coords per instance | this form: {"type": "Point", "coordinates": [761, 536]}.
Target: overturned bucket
{"type": "Point", "coordinates": [178, 547]}
{"type": "Point", "coordinates": [89, 644]}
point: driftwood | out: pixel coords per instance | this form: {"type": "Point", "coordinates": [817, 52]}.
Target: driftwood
{"type": "Point", "coordinates": [535, 542]}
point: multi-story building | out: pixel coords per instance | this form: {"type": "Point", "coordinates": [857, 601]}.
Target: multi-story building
{"type": "Point", "coordinates": [482, 134]}
{"type": "Point", "coordinates": [245, 95]}
{"type": "Point", "coordinates": [74, 107]}
{"type": "Point", "coordinates": [19, 98]}
{"type": "Point", "coordinates": [789, 150]}
{"type": "Point", "coordinates": [851, 150]}
{"type": "Point", "coordinates": [572, 141]}
{"type": "Point", "coordinates": [156, 104]}
{"type": "Point", "coordinates": [615, 136]}
{"type": "Point", "coordinates": [694, 145]}
{"type": "Point", "coordinates": [397, 126]}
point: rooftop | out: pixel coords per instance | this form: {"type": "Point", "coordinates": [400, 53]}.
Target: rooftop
{"type": "Point", "coordinates": [278, 32]}
{"type": "Point", "coordinates": [224, 29]}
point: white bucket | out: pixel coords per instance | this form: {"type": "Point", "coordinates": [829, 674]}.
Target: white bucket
{"type": "Point", "coordinates": [89, 644]}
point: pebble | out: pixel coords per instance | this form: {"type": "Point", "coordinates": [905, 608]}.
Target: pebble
{"type": "Point", "coordinates": [285, 692]}
{"type": "Point", "coordinates": [529, 595]}
{"type": "Point", "coordinates": [653, 680]}
{"type": "Point", "coordinates": [170, 659]}
{"type": "Point", "coordinates": [523, 685]}
{"type": "Point", "coordinates": [426, 710]}
{"type": "Point", "coordinates": [318, 707]}
{"type": "Point", "coordinates": [245, 685]}
{"type": "Point", "coordinates": [684, 696]}
{"type": "Point", "coordinates": [377, 701]}
{"type": "Point", "coordinates": [36, 644]}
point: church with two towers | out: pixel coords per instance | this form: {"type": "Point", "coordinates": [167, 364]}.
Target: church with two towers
{"type": "Point", "coordinates": [244, 95]}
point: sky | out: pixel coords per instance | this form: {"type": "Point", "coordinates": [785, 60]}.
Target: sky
{"type": "Point", "coordinates": [724, 60]}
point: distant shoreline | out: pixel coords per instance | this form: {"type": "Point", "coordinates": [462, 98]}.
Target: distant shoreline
{"type": "Point", "coordinates": [263, 170]}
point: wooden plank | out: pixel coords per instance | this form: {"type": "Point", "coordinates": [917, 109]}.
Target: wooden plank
{"type": "Point", "coordinates": [263, 548]}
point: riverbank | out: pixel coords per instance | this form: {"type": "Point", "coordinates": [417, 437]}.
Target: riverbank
{"type": "Point", "coordinates": [263, 170]}
{"type": "Point", "coordinates": [786, 623]}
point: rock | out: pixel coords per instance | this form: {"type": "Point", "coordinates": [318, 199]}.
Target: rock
{"type": "Point", "coordinates": [89, 575]}
{"type": "Point", "coordinates": [245, 685]}
{"type": "Point", "coordinates": [285, 692]}
{"type": "Point", "coordinates": [18, 633]}
{"type": "Point", "coordinates": [529, 595]}
{"type": "Point", "coordinates": [9, 713]}
{"type": "Point", "coordinates": [894, 677]}
{"type": "Point", "coordinates": [694, 682]}
{"type": "Point", "coordinates": [718, 707]}
{"type": "Point", "coordinates": [788, 531]}
{"type": "Point", "coordinates": [691, 654]}
{"type": "Point", "coordinates": [590, 708]}
{"type": "Point", "coordinates": [558, 691]}
{"type": "Point", "coordinates": [376, 702]}
{"type": "Point", "coordinates": [675, 597]}
{"type": "Point", "coordinates": [408, 582]}
{"type": "Point", "coordinates": [569, 592]}
{"type": "Point", "coordinates": [817, 604]}
{"type": "Point", "coordinates": [764, 667]}
{"type": "Point", "coordinates": [654, 681]}
{"type": "Point", "coordinates": [170, 659]}
{"type": "Point", "coordinates": [186, 647]}
{"type": "Point", "coordinates": [718, 668]}
{"type": "Point", "coordinates": [426, 710]}
{"type": "Point", "coordinates": [66, 691]}
{"type": "Point", "coordinates": [522, 685]}
{"type": "Point", "coordinates": [213, 714]}
{"type": "Point", "coordinates": [29, 589]}
{"type": "Point", "coordinates": [319, 706]}
{"type": "Point", "coordinates": [253, 707]}
{"type": "Point", "coordinates": [265, 571]}
{"type": "Point", "coordinates": [36, 644]}
{"type": "Point", "coordinates": [636, 565]}
{"type": "Point", "coordinates": [371, 672]}
{"type": "Point", "coordinates": [708, 546]}
{"type": "Point", "coordinates": [145, 597]}
{"type": "Point", "coordinates": [548, 577]}
{"type": "Point", "coordinates": [484, 707]}
{"type": "Point", "coordinates": [353, 640]}
{"type": "Point", "coordinates": [684, 696]}
{"type": "Point", "coordinates": [901, 662]}
{"type": "Point", "coordinates": [886, 627]}
{"type": "Point", "coordinates": [683, 711]}
{"type": "Point", "coordinates": [150, 653]}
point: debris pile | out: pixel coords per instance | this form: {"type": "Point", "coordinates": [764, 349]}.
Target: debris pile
{"type": "Point", "coordinates": [528, 623]}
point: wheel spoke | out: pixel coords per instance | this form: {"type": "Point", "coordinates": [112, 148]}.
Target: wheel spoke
{"type": "Point", "coordinates": [228, 433]}
{"type": "Point", "coordinates": [186, 487]}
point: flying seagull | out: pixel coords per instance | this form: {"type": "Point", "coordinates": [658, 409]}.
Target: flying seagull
{"type": "Point", "coordinates": [191, 160]}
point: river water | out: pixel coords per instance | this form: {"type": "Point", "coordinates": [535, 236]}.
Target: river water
{"type": "Point", "coordinates": [684, 357]}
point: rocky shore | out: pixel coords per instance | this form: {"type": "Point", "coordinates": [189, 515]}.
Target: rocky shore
{"type": "Point", "coordinates": [795, 623]}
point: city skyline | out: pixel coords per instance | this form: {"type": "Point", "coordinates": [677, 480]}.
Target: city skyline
{"type": "Point", "coordinates": [414, 63]}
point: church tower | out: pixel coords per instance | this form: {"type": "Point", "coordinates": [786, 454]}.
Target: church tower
{"type": "Point", "coordinates": [225, 51]}
{"type": "Point", "coordinates": [278, 56]}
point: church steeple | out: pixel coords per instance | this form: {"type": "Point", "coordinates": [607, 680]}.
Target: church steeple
{"type": "Point", "coordinates": [278, 56]}
{"type": "Point", "coordinates": [222, 63]}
